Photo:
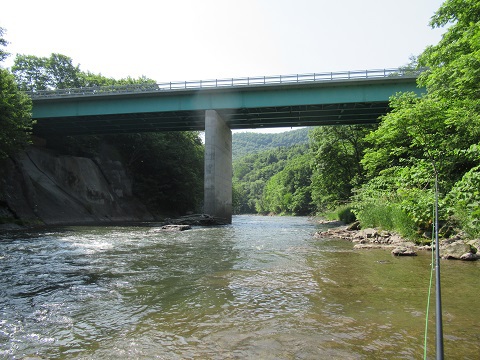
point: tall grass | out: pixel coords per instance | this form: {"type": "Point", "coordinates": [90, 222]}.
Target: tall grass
{"type": "Point", "coordinates": [387, 217]}
{"type": "Point", "coordinates": [343, 213]}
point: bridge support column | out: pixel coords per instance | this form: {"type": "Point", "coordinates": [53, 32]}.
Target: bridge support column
{"type": "Point", "coordinates": [218, 167]}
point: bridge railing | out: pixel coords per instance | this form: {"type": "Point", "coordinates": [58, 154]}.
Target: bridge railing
{"type": "Point", "coordinates": [224, 83]}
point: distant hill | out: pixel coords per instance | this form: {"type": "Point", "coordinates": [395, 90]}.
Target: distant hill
{"type": "Point", "coordinates": [251, 143]}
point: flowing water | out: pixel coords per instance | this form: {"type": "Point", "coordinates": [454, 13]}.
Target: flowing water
{"type": "Point", "coordinates": [262, 288]}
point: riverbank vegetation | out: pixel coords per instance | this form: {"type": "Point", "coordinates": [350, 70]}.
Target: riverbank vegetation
{"type": "Point", "coordinates": [386, 173]}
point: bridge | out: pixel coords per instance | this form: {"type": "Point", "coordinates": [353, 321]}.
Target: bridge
{"type": "Point", "coordinates": [218, 106]}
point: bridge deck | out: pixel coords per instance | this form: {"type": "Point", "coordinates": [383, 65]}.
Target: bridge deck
{"type": "Point", "coordinates": [282, 101]}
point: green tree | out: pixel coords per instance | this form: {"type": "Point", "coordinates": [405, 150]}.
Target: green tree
{"type": "Point", "coordinates": [337, 152]}
{"type": "Point", "coordinates": [58, 72]}
{"type": "Point", "coordinates": [15, 116]}
{"type": "Point", "coordinates": [3, 43]}
{"type": "Point", "coordinates": [41, 73]}
{"type": "Point", "coordinates": [62, 74]}
{"type": "Point", "coordinates": [31, 72]}
{"type": "Point", "coordinates": [288, 191]}
{"type": "Point", "coordinates": [252, 172]}
{"type": "Point", "coordinates": [15, 111]}
{"type": "Point", "coordinates": [454, 63]}
{"type": "Point", "coordinates": [89, 79]}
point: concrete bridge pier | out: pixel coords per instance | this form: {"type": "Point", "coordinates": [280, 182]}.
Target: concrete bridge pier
{"type": "Point", "coordinates": [218, 167]}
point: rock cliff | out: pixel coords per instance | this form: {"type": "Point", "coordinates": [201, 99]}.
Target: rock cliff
{"type": "Point", "coordinates": [40, 186]}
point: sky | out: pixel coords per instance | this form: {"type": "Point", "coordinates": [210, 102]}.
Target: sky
{"type": "Point", "coordinates": [212, 39]}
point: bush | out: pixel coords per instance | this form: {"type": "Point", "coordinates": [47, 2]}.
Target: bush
{"type": "Point", "coordinates": [345, 214]}
{"type": "Point", "coordinates": [342, 213]}
{"type": "Point", "coordinates": [464, 202]}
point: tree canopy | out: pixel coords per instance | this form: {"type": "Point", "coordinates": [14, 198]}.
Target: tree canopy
{"type": "Point", "coordinates": [3, 44]}
{"type": "Point", "coordinates": [15, 110]}
{"type": "Point", "coordinates": [58, 72]}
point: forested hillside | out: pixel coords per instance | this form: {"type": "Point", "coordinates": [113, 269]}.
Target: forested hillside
{"type": "Point", "coordinates": [249, 143]}
{"type": "Point", "coordinates": [252, 173]}
{"type": "Point", "coordinates": [304, 178]}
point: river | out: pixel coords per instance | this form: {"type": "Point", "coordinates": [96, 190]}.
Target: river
{"type": "Point", "coordinates": [262, 288]}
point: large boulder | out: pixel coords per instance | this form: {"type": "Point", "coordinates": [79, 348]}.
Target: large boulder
{"type": "Point", "coordinates": [454, 250]}
{"type": "Point", "coordinates": [403, 251]}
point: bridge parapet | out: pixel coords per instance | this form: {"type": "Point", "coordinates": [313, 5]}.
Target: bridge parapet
{"type": "Point", "coordinates": [226, 83]}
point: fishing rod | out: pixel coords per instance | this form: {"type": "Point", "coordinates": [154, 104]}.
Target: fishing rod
{"type": "Point", "coordinates": [438, 295]}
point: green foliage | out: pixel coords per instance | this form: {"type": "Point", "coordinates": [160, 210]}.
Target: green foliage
{"type": "Point", "coordinates": [40, 73]}
{"type": "Point", "coordinates": [248, 143]}
{"type": "Point", "coordinates": [3, 43]}
{"type": "Point", "coordinates": [464, 202]}
{"type": "Point", "coordinates": [337, 151]}
{"type": "Point", "coordinates": [387, 216]}
{"type": "Point", "coordinates": [455, 61]}
{"type": "Point", "coordinates": [288, 191]}
{"type": "Point", "coordinates": [344, 213]}
{"type": "Point", "coordinates": [436, 134]}
{"type": "Point", "coordinates": [15, 112]}
{"type": "Point", "coordinates": [167, 169]}
{"type": "Point", "coordinates": [58, 72]}
{"type": "Point", "coordinates": [421, 137]}
{"type": "Point", "coordinates": [252, 172]}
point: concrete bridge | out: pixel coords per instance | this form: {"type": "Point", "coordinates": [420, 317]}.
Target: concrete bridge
{"type": "Point", "coordinates": [218, 106]}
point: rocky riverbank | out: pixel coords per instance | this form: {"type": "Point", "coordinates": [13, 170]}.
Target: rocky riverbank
{"type": "Point", "coordinates": [452, 248]}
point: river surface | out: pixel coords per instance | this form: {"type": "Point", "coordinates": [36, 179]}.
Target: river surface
{"type": "Point", "coordinates": [262, 288]}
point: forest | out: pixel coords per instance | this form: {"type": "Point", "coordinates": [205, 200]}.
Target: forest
{"type": "Point", "coordinates": [382, 175]}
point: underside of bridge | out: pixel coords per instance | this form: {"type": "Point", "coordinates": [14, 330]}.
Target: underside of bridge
{"type": "Point", "coordinates": [242, 118]}
{"type": "Point", "coordinates": [218, 136]}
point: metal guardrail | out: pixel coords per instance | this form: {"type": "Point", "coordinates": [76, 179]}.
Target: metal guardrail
{"type": "Point", "coordinates": [225, 83]}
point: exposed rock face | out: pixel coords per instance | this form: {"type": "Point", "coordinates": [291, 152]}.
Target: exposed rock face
{"type": "Point", "coordinates": [41, 186]}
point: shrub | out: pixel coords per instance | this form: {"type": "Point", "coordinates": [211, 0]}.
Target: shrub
{"type": "Point", "coordinates": [464, 202]}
